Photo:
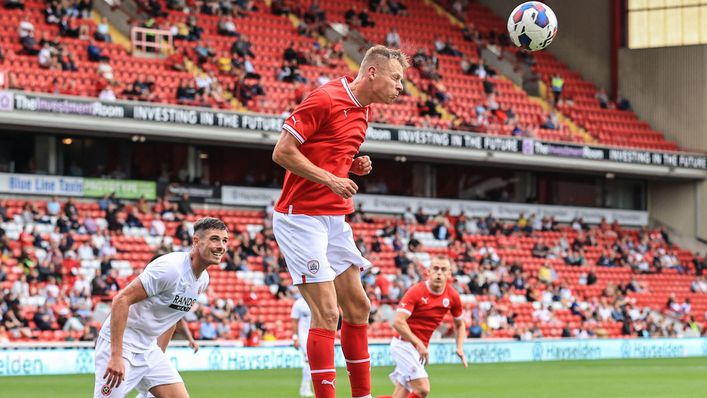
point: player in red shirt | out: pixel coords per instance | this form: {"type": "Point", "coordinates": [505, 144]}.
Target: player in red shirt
{"type": "Point", "coordinates": [318, 146]}
{"type": "Point", "coordinates": [419, 313]}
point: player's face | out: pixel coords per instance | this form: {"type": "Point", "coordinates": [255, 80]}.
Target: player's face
{"type": "Point", "coordinates": [211, 245]}
{"type": "Point", "coordinates": [388, 82]}
{"type": "Point", "coordinates": [439, 274]}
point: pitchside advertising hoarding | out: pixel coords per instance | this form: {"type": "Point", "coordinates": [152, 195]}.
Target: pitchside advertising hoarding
{"type": "Point", "coordinates": [37, 184]}
{"type": "Point", "coordinates": [28, 361]}
{"type": "Point", "coordinates": [16, 101]}
{"type": "Point", "coordinates": [243, 196]}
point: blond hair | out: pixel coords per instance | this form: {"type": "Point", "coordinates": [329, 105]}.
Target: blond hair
{"type": "Point", "coordinates": [442, 259]}
{"type": "Point", "coordinates": [378, 53]}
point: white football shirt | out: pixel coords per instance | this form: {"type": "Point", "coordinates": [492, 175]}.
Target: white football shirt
{"type": "Point", "coordinates": [301, 312]}
{"type": "Point", "coordinates": [172, 290]}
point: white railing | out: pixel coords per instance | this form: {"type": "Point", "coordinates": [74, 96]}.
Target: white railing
{"type": "Point", "coordinates": [154, 41]}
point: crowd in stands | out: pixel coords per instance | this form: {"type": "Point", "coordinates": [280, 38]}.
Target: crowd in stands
{"type": "Point", "coordinates": [516, 278]}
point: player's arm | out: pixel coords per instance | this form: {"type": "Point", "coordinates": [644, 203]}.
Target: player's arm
{"type": "Point", "coordinates": [460, 329]}
{"type": "Point", "coordinates": [295, 337]}
{"type": "Point", "coordinates": [133, 293]}
{"type": "Point", "coordinates": [192, 343]}
{"type": "Point", "coordinates": [288, 155]}
{"type": "Point", "coordinates": [401, 326]}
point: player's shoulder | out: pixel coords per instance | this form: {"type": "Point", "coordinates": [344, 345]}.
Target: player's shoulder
{"type": "Point", "coordinates": [417, 289]}
{"type": "Point", "coordinates": [170, 263]}
{"type": "Point", "coordinates": [452, 292]}
{"type": "Point", "coordinates": [336, 90]}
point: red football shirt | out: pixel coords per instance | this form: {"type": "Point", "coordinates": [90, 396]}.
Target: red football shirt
{"type": "Point", "coordinates": [330, 125]}
{"type": "Point", "coordinates": [427, 309]}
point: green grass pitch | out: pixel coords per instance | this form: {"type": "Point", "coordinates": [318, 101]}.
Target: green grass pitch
{"type": "Point", "coordinates": [669, 378]}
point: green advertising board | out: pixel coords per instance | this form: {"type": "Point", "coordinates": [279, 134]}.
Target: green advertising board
{"type": "Point", "coordinates": [125, 189]}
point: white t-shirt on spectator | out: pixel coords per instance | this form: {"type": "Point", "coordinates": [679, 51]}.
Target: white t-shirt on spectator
{"type": "Point", "coordinates": [86, 252]}
{"type": "Point", "coordinates": [26, 28]}
{"type": "Point", "coordinates": [44, 56]}
{"type": "Point", "coordinates": [107, 95]}
{"type": "Point", "coordinates": [172, 289]}
{"type": "Point", "coordinates": [157, 227]}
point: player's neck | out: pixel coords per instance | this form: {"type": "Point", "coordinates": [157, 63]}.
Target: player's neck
{"type": "Point", "coordinates": [433, 289]}
{"type": "Point", "coordinates": [356, 87]}
{"type": "Point", "coordinates": [197, 267]}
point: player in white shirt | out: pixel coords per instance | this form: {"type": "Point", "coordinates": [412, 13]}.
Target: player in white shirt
{"type": "Point", "coordinates": [148, 309]}
{"type": "Point", "coordinates": [301, 319]}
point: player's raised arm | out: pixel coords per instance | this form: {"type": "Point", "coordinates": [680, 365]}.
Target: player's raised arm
{"type": "Point", "coordinates": [133, 293]}
{"type": "Point", "coordinates": [401, 326]}
{"type": "Point", "coordinates": [288, 155]}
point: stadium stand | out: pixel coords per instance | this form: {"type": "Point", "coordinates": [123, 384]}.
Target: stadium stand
{"type": "Point", "coordinates": [450, 87]}
{"type": "Point", "coordinates": [63, 261]}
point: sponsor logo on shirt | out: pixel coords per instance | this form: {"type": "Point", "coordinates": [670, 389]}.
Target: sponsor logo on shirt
{"type": "Point", "coordinates": [182, 303]}
{"type": "Point", "coordinates": [424, 299]}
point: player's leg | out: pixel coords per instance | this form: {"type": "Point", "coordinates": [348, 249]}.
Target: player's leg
{"type": "Point", "coordinates": [354, 330]}
{"type": "Point", "coordinates": [176, 390]}
{"type": "Point", "coordinates": [303, 241]}
{"type": "Point", "coordinates": [409, 372]}
{"type": "Point", "coordinates": [321, 298]}
{"type": "Point", "coordinates": [420, 388]}
{"type": "Point", "coordinates": [347, 261]}
{"type": "Point", "coordinates": [162, 380]}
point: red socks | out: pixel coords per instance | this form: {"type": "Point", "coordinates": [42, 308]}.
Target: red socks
{"type": "Point", "coordinates": [320, 351]}
{"type": "Point", "coordinates": [354, 344]}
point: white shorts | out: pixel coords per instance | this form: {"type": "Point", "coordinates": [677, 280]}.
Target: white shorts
{"type": "Point", "coordinates": [316, 248]}
{"type": "Point", "coordinates": [142, 371]}
{"type": "Point", "coordinates": [407, 363]}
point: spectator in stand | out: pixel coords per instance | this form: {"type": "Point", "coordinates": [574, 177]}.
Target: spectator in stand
{"type": "Point", "coordinates": [103, 31]}
{"type": "Point", "coordinates": [207, 328]}
{"type": "Point", "coordinates": [227, 27]}
{"type": "Point", "coordinates": [557, 84]}
{"type": "Point", "coordinates": [392, 39]}
{"type": "Point", "coordinates": [699, 285]}
{"type": "Point", "coordinates": [351, 16]}
{"type": "Point", "coordinates": [365, 19]}
{"type": "Point", "coordinates": [51, 14]}
{"type": "Point", "coordinates": [697, 261]}
{"type": "Point", "coordinates": [552, 122]}
{"type": "Point", "coordinates": [95, 53]}
{"type": "Point", "coordinates": [242, 47]}
{"type": "Point", "coordinates": [185, 205]}
{"type": "Point", "coordinates": [602, 98]}
{"type": "Point", "coordinates": [14, 4]}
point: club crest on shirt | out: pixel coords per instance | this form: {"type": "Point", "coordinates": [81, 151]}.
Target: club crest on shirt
{"type": "Point", "coordinates": [313, 266]}
{"type": "Point", "coordinates": [445, 302]}
{"type": "Point", "coordinates": [106, 390]}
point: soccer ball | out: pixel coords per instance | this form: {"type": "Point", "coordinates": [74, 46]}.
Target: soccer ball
{"type": "Point", "coordinates": [532, 26]}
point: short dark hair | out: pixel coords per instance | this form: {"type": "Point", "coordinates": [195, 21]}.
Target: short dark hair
{"type": "Point", "coordinates": [207, 223]}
